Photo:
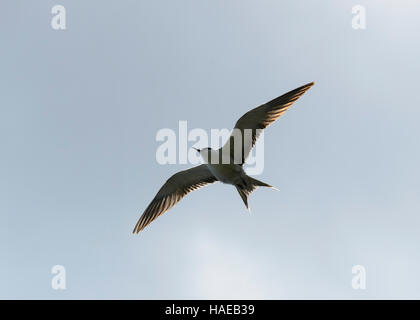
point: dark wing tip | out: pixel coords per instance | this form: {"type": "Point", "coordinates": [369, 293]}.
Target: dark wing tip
{"type": "Point", "coordinates": [136, 228]}
{"type": "Point", "coordinates": [303, 88]}
{"type": "Point", "coordinates": [306, 86]}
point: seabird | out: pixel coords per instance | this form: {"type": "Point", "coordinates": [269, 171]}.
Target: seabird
{"type": "Point", "coordinates": [224, 164]}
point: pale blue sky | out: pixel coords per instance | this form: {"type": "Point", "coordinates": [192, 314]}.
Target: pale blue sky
{"type": "Point", "coordinates": [80, 108]}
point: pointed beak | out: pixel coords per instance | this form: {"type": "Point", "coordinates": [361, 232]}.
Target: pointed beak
{"type": "Point", "coordinates": [198, 150]}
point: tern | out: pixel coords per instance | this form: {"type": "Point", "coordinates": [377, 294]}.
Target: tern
{"type": "Point", "coordinates": [230, 172]}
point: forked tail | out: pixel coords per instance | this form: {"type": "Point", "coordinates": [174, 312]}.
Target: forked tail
{"type": "Point", "coordinates": [248, 185]}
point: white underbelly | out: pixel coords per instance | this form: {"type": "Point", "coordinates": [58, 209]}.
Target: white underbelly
{"type": "Point", "coordinates": [226, 173]}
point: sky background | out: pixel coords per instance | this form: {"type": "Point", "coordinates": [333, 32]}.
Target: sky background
{"type": "Point", "coordinates": [80, 109]}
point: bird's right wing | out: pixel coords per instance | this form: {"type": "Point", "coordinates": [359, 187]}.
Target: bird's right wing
{"type": "Point", "coordinates": [175, 188]}
{"type": "Point", "coordinates": [250, 125]}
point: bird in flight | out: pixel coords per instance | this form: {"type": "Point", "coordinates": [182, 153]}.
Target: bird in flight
{"type": "Point", "coordinates": [224, 164]}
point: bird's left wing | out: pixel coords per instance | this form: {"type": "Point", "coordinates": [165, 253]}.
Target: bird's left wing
{"type": "Point", "coordinates": [174, 189]}
{"type": "Point", "coordinates": [250, 125]}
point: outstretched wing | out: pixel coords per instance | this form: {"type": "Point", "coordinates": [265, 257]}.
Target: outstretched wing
{"type": "Point", "coordinates": [250, 125]}
{"type": "Point", "coordinates": [174, 189]}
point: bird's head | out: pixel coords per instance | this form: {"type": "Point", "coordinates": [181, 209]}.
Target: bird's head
{"type": "Point", "coordinates": [204, 153]}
